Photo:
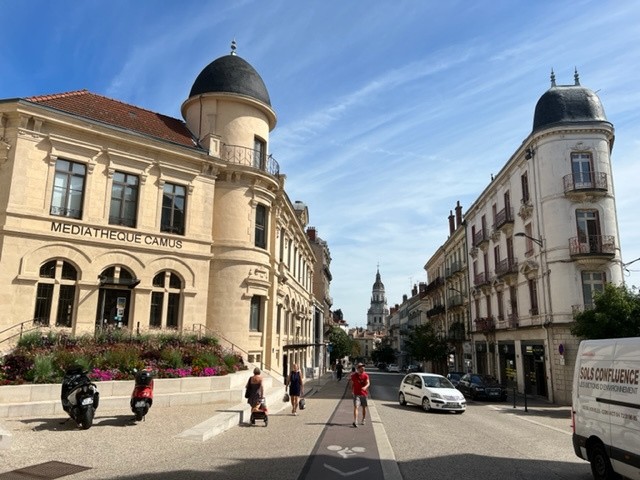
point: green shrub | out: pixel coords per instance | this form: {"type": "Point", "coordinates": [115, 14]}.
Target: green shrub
{"type": "Point", "coordinates": [205, 359]}
{"type": "Point", "coordinates": [44, 370]}
{"type": "Point", "coordinates": [172, 357]}
{"type": "Point", "coordinates": [31, 340]}
{"type": "Point", "coordinates": [123, 357]}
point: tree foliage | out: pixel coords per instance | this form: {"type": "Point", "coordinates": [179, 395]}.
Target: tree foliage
{"type": "Point", "coordinates": [425, 345]}
{"type": "Point", "coordinates": [341, 344]}
{"type": "Point", "coordinates": [616, 314]}
{"type": "Point", "coordinates": [384, 352]}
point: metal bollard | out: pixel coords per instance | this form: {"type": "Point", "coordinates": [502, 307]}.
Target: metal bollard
{"type": "Point", "coordinates": [525, 400]}
{"type": "Point", "coordinates": [514, 397]}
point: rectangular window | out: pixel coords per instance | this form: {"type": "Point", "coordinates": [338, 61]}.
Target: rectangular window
{"type": "Point", "coordinates": [155, 316]}
{"type": "Point", "coordinates": [533, 296]}
{"type": "Point", "coordinates": [256, 313]}
{"type": "Point", "coordinates": [259, 153]}
{"type": "Point", "coordinates": [65, 305]}
{"type": "Point", "coordinates": [588, 231]}
{"type": "Point", "coordinates": [592, 282]}
{"type": "Point", "coordinates": [173, 209]}
{"type": "Point", "coordinates": [500, 301]}
{"type": "Point", "coordinates": [68, 189]}
{"type": "Point", "coordinates": [581, 170]}
{"type": "Point", "coordinates": [173, 310]}
{"type": "Point", "coordinates": [124, 200]}
{"type": "Point", "coordinates": [524, 181]}
{"type": "Point", "coordinates": [261, 226]}
{"type": "Point", "coordinates": [44, 298]}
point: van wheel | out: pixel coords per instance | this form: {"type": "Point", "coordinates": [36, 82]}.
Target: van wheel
{"type": "Point", "coordinates": [600, 465]}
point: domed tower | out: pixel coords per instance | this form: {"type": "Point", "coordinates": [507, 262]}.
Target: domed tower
{"type": "Point", "coordinates": [378, 311]}
{"type": "Point", "coordinates": [572, 204]}
{"type": "Point", "coordinates": [229, 113]}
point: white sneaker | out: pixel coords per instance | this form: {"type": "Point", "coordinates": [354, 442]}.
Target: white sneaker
{"type": "Point", "coordinates": [362, 422]}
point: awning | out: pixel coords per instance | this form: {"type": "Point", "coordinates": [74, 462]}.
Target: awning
{"type": "Point", "coordinates": [118, 282]}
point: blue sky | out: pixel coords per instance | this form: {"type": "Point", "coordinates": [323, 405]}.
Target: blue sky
{"type": "Point", "coordinates": [388, 111]}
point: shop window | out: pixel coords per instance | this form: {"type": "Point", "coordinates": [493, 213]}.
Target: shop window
{"type": "Point", "coordinates": [173, 209]}
{"type": "Point", "coordinates": [56, 287]}
{"type": "Point", "coordinates": [68, 189]}
{"type": "Point", "coordinates": [124, 199]}
{"type": "Point", "coordinates": [261, 226]}
{"type": "Point", "coordinates": [166, 298]}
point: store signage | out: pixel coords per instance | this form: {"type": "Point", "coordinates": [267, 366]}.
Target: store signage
{"type": "Point", "coordinates": [114, 235]}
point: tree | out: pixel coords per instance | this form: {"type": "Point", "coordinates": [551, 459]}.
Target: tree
{"type": "Point", "coordinates": [384, 352]}
{"type": "Point", "coordinates": [426, 346]}
{"type": "Point", "coordinates": [616, 314]}
{"type": "Point", "coordinates": [341, 344]}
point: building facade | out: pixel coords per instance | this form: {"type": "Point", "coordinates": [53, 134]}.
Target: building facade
{"type": "Point", "coordinates": [115, 216]}
{"type": "Point", "coordinates": [542, 239]}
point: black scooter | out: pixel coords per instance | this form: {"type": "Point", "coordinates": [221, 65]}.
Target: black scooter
{"type": "Point", "coordinates": [79, 396]}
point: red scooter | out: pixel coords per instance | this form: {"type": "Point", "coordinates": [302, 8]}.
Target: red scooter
{"type": "Point", "coordinates": [142, 396]}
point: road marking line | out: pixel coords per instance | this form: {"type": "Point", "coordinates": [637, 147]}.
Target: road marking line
{"type": "Point", "coordinates": [345, 474]}
{"type": "Point", "coordinates": [536, 423]}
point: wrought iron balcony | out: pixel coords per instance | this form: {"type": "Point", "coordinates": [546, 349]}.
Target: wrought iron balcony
{"type": "Point", "coordinates": [485, 324]}
{"type": "Point", "coordinates": [480, 238]}
{"type": "Point", "coordinates": [585, 181]}
{"type": "Point", "coordinates": [481, 279]}
{"type": "Point", "coordinates": [592, 245]}
{"type": "Point", "coordinates": [455, 301]}
{"type": "Point", "coordinates": [503, 217]}
{"type": "Point", "coordinates": [455, 267]}
{"type": "Point", "coordinates": [249, 158]}
{"type": "Point", "coordinates": [507, 267]}
{"type": "Point", "coordinates": [437, 310]}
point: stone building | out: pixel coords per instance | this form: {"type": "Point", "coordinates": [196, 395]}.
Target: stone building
{"type": "Point", "coordinates": [542, 238]}
{"type": "Point", "coordinates": [113, 215]}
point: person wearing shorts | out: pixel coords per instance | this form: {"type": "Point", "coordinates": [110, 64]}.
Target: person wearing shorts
{"type": "Point", "coordinates": [360, 387]}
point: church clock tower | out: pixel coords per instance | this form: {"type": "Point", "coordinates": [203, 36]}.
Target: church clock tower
{"type": "Point", "coordinates": [378, 311]}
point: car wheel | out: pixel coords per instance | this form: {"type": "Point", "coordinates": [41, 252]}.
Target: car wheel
{"type": "Point", "coordinates": [459, 412]}
{"type": "Point", "coordinates": [401, 399]}
{"type": "Point", "coordinates": [473, 395]}
{"type": "Point", "coordinates": [426, 406]}
{"type": "Point", "coordinates": [600, 465]}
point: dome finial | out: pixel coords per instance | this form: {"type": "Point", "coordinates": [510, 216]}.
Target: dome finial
{"type": "Point", "coordinates": [576, 77]}
{"type": "Point", "coordinates": [553, 78]}
{"type": "Point", "coordinates": [233, 47]}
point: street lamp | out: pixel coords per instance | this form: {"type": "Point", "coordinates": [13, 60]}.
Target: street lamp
{"type": "Point", "coordinates": [538, 241]}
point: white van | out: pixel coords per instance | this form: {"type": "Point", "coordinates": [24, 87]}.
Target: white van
{"type": "Point", "coordinates": [606, 407]}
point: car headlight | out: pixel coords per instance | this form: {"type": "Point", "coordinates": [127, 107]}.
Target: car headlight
{"type": "Point", "coordinates": [436, 395]}
{"type": "Point", "coordinates": [477, 388]}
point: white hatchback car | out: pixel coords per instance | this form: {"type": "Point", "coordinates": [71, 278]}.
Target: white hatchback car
{"type": "Point", "coordinates": [393, 367]}
{"type": "Point", "coordinates": [432, 392]}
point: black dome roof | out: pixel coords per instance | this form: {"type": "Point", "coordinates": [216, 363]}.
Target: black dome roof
{"type": "Point", "coordinates": [568, 104]}
{"type": "Point", "coordinates": [231, 74]}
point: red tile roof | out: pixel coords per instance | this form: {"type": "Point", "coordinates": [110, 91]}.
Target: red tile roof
{"type": "Point", "coordinates": [119, 114]}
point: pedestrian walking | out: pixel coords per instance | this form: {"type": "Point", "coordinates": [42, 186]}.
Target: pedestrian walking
{"type": "Point", "coordinates": [339, 369]}
{"type": "Point", "coordinates": [296, 387]}
{"type": "Point", "coordinates": [254, 390]}
{"type": "Point", "coordinates": [360, 388]}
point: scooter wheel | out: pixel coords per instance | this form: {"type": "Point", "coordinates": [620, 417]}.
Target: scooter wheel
{"type": "Point", "coordinates": [86, 418]}
{"type": "Point", "coordinates": [266, 422]}
{"type": "Point", "coordinates": [139, 413]}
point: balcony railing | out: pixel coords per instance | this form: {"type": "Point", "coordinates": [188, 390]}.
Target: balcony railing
{"type": "Point", "coordinates": [454, 268]}
{"type": "Point", "coordinates": [512, 320]}
{"type": "Point", "coordinates": [592, 245]}
{"type": "Point", "coordinates": [438, 282]}
{"type": "Point", "coordinates": [508, 266]}
{"type": "Point", "coordinates": [485, 324]}
{"type": "Point", "coordinates": [455, 301]}
{"type": "Point", "coordinates": [481, 279]}
{"type": "Point", "coordinates": [250, 158]}
{"type": "Point", "coordinates": [437, 310]}
{"type": "Point", "coordinates": [503, 217]}
{"type": "Point", "coordinates": [480, 237]}
{"type": "Point", "coordinates": [581, 181]}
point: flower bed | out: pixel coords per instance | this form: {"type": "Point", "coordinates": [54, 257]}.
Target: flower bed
{"type": "Point", "coordinates": [116, 355]}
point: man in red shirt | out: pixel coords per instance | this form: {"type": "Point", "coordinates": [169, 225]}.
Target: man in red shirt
{"type": "Point", "coordinates": [360, 385]}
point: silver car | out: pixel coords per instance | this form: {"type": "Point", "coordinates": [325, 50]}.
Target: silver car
{"type": "Point", "coordinates": [432, 392]}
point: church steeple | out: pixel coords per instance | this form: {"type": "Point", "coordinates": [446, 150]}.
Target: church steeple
{"type": "Point", "coordinates": [378, 311]}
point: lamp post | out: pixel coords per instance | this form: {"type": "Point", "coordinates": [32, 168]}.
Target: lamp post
{"type": "Point", "coordinates": [537, 241]}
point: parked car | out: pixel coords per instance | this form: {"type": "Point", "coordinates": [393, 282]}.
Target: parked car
{"type": "Point", "coordinates": [454, 377]}
{"type": "Point", "coordinates": [432, 392]}
{"type": "Point", "coordinates": [382, 366]}
{"type": "Point", "coordinates": [413, 368]}
{"type": "Point", "coordinates": [477, 386]}
{"type": "Point", "coordinates": [393, 367]}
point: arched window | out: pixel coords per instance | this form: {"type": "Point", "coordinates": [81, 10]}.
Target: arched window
{"type": "Point", "coordinates": [56, 288]}
{"type": "Point", "coordinates": [166, 297]}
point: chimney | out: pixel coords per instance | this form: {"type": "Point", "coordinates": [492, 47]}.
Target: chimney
{"type": "Point", "coordinates": [404, 298]}
{"type": "Point", "coordinates": [458, 214]}
{"type": "Point", "coordinates": [423, 287]}
{"type": "Point", "coordinates": [414, 290]}
{"type": "Point", "coordinates": [452, 227]}
{"type": "Point", "coordinates": [311, 233]}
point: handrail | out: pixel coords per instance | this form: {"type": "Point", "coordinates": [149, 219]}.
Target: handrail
{"type": "Point", "coordinates": [201, 327]}
{"type": "Point", "coordinates": [22, 330]}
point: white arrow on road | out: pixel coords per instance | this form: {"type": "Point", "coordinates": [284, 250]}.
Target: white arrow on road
{"type": "Point", "coordinates": [345, 474]}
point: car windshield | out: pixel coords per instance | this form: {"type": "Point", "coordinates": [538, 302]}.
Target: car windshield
{"type": "Point", "coordinates": [437, 382]}
{"type": "Point", "coordinates": [485, 380]}
{"type": "Point", "coordinates": [454, 376]}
